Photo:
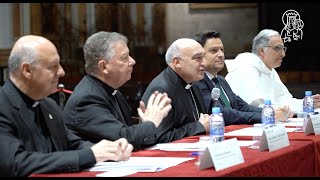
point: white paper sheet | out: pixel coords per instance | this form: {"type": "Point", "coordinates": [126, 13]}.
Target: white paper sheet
{"type": "Point", "coordinates": [197, 146]}
{"type": "Point", "coordinates": [246, 143]}
{"type": "Point", "coordinates": [250, 131]}
{"type": "Point", "coordinates": [295, 122]}
{"type": "Point", "coordinates": [140, 164]}
{"type": "Point", "coordinates": [116, 173]}
{"type": "Point", "coordinates": [179, 146]}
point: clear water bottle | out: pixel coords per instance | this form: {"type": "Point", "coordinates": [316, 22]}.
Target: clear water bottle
{"type": "Point", "coordinates": [216, 125]}
{"type": "Point", "coordinates": [308, 103]}
{"type": "Point", "coordinates": [267, 116]}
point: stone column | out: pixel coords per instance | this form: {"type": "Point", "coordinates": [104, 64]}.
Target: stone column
{"type": "Point", "coordinates": [6, 38]}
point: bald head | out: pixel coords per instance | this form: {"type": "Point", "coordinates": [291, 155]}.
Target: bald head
{"type": "Point", "coordinates": [186, 57]}
{"type": "Point", "coordinates": [34, 66]}
{"type": "Point", "coordinates": [176, 48]}
{"type": "Point", "coordinates": [27, 49]}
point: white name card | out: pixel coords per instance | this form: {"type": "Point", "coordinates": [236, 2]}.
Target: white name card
{"type": "Point", "coordinates": [274, 137]}
{"type": "Point", "coordinates": [312, 125]}
{"type": "Point", "coordinates": [221, 155]}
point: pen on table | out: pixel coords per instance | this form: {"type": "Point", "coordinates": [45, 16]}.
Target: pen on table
{"type": "Point", "coordinates": [195, 154]}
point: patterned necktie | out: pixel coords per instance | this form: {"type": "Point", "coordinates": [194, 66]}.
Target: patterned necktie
{"type": "Point", "coordinates": [223, 96]}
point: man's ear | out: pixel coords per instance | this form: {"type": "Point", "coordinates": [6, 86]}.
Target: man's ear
{"type": "Point", "coordinates": [26, 70]}
{"type": "Point", "coordinates": [176, 63]}
{"type": "Point", "coordinates": [261, 51]}
{"type": "Point", "coordinates": [102, 65]}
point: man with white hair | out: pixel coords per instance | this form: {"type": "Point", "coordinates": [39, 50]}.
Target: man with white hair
{"type": "Point", "coordinates": [253, 76]}
{"type": "Point", "coordinates": [185, 60]}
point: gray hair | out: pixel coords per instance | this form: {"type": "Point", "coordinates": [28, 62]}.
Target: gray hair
{"type": "Point", "coordinates": [172, 52]}
{"type": "Point", "coordinates": [263, 39]}
{"type": "Point", "coordinates": [100, 46]}
{"type": "Point", "coordinates": [22, 54]}
{"type": "Point", "coordinates": [174, 49]}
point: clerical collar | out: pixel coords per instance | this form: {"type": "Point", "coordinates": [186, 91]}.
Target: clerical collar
{"type": "Point", "coordinates": [35, 104]}
{"type": "Point", "coordinates": [114, 92]}
{"type": "Point", "coordinates": [105, 86]}
{"type": "Point", "coordinates": [25, 97]}
{"type": "Point", "coordinates": [188, 86]}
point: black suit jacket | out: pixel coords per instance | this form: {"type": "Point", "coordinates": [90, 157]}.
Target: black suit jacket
{"type": "Point", "coordinates": [90, 113]}
{"type": "Point", "coordinates": [180, 121]}
{"type": "Point", "coordinates": [19, 148]}
{"type": "Point", "coordinates": [241, 112]}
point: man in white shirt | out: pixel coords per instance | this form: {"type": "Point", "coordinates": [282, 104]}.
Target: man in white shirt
{"type": "Point", "coordinates": [253, 76]}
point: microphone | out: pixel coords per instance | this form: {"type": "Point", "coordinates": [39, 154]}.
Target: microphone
{"type": "Point", "coordinates": [215, 94]}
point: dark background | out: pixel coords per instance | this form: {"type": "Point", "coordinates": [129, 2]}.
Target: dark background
{"type": "Point", "coordinates": [304, 53]}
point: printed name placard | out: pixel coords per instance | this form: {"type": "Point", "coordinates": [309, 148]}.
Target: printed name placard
{"type": "Point", "coordinates": [312, 125]}
{"type": "Point", "coordinates": [274, 137]}
{"type": "Point", "coordinates": [221, 155]}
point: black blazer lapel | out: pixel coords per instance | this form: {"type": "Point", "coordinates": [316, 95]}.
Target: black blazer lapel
{"type": "Point", "coordinates": [211, 85]}
{"type": "Point", "coordinates": [26, 115]}
{"type": "Point", "coordinates": [183, 94]}
{"type": "Point", "coordinates": [208, 82]}
{"type": "Point", "coordinates": [227, 90]}
{"type": "Point", "coordinates": [55, 123]}
{"type": "Point", "coordinates": [173, 77]}
{"type": "Point", "coordinates": [125, 109]}
{"type": "Point", "coordinates": [199, 99]}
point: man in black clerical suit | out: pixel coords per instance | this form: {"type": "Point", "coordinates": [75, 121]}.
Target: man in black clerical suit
{"type": "Point", "coordinates": [234, 109]}
{"type": "Point", "coordinates": [185, 60]}
{"type": "Point", "coordinates": [33, 137]}
{"type": "Point", "coordinates": [97, 110]}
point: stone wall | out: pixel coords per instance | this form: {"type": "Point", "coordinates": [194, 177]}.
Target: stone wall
{"type": "Point", "coordinates": [237, 25]}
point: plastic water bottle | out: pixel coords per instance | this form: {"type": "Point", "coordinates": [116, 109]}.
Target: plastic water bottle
{"type": "Point", "coordinates": [216, 125]}
{"type": "Point", "coordinates": [267, 116]}
{"type": "Point", "coordinates": [308, 103]}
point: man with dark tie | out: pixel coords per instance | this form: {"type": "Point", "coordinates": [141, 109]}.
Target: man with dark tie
{"type": "Point", "coordinates": [97, 110]}
{"type": "Point", "coordinates": [33, 136]}
{"type": "Point", "coordinates": [185, 60]}
{"type": "Point", "coordinates": [234, 109]}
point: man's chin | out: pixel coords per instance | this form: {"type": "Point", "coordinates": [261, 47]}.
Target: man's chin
{"type": "Point", "coordinates": [54, 90]}
{"type": "Point", "coordinates": [200, 77]}
{"type": "Point", "coordinates": [278, 65]}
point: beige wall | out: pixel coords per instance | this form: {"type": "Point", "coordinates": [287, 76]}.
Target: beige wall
{"type": "Point", "coordinates": [238, 26]}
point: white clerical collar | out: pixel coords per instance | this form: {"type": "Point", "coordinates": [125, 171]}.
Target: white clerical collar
{"type": "Point", "coordinates": [35, 104]}
{"type": "Point", "coordinates": [188, 86]}
{"type": "Point", "coordinates": [114, 92]}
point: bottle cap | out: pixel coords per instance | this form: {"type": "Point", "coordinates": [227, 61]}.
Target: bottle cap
{"type": "Point", "coordinates": [215, 110]}
{"type": "Point", "coordinates": [308, 93]}
{"type": "Point", "coordinates": [267, 102]}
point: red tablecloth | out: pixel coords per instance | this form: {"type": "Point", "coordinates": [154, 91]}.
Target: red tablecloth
{"type": "Point", "coordinates": [293, 136]}
{"type": "Point", "coordinates": [301, 158]}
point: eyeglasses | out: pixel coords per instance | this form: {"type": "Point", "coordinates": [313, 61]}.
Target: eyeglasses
{"type": "Point", "coordinates": [278, 48]}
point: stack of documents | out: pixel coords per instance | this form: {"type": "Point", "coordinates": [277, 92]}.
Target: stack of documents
{"type": "Point", "coordinates": [140, 164]}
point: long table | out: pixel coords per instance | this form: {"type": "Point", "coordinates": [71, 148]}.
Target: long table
{"type": "Point", "coordinates": [293, 136]}
{"type": "Point", "coordinates": [301, 158]}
